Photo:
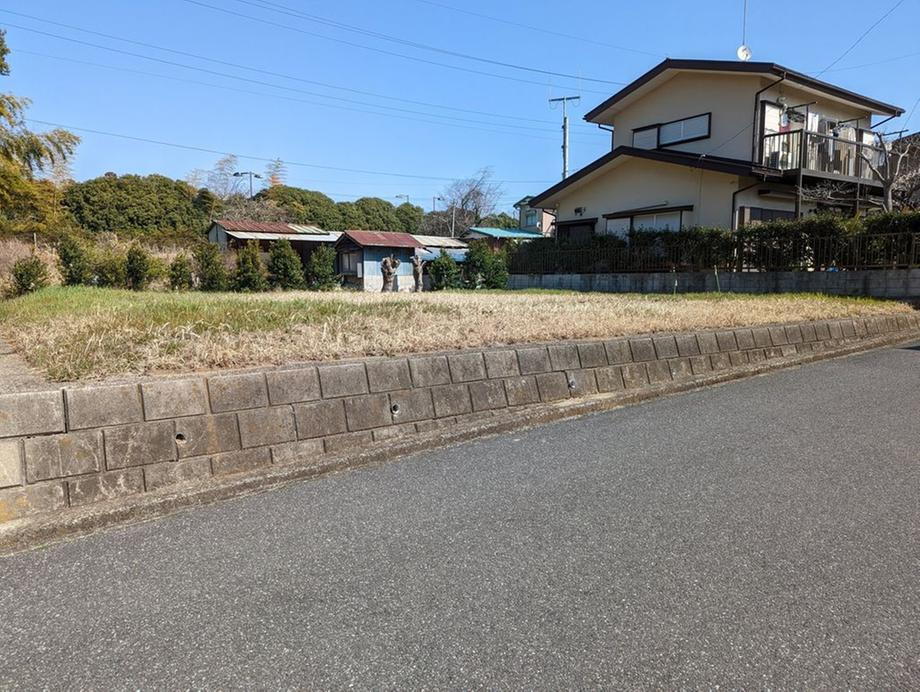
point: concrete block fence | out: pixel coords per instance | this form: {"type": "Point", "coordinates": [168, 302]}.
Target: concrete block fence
{"type": "Point", "coordinates": [76, 446]}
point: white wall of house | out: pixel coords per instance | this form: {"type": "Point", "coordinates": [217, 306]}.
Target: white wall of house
{"type": "Point", "coordinates": [639, 183]}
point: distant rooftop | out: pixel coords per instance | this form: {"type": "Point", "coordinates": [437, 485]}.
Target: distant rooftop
{"type": "Point", "coordinates": [507, 233]}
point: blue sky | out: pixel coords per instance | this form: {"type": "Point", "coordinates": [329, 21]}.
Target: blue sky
{"type": "Point", "coordinates": [277, 109]}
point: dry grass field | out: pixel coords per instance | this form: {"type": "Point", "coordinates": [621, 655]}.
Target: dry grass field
{"type": "Point", "coordinates": [88, 333]}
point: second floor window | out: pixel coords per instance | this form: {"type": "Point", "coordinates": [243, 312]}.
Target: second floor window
{"type": "Point", "coordinates": [667, 134]}
{"type": "Point", "coordinates": [684, 130]}
{"type": "Point", "coordinates": [530, 219]}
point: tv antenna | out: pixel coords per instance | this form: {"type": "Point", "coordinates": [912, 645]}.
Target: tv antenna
{"type": "Point", "coordinates": [744, 52]}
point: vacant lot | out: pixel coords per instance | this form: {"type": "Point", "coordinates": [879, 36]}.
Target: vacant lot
{"type": "Point", "coordinates": [73, 333]}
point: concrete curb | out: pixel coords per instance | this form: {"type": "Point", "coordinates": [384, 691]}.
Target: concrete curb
{"type": "Point", "coordinates": [42, 530]}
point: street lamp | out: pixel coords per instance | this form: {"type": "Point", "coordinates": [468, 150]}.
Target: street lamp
{"type": "Point", "coordinates": [434, 202]}
{"type": "Point", "coordinates": [251, 174]}
{"type": "Point", "coordinates": [405, 197]}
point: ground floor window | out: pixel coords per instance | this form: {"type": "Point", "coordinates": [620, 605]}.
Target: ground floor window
{"type": "Point", "coordinates": [666, 221]}
{"type": "Point", "coordinates": [762, 215]}
{"type": "Point", "coordinates": [349, 262]}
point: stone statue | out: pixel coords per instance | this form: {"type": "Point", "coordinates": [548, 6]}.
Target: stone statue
{"type": "Point", "coordinates": [388, 268]}
{"type": "Point", "coordinates": [418, 267]}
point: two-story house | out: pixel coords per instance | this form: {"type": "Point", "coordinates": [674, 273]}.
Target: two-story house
{"type": "Point", "coordinates": [535, 219]}
{"type": "Point", "coordinates": [719, 143]}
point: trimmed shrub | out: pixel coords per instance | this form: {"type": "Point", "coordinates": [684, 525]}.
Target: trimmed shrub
{"type": "Point", "coordinates": [484, 267]}
{"type": "Point", "coordinates": [444, 272]}
{"type": "Point", "coordinates": [212, 275]}
{"type": "Point", "coordinates": [137, 268]}
{"type": "Point", "coordinates": [876, 224]}
{"type": "Point", "coordinates": [75, 262]}
{"type": "Point", "coordinates": [250, 273]}
{"type": "Point", "coordinates": [180, 274]}
{"type": "Point", "coordinates": [109, 269]}
{"type": "Point", "coordinates": [321, 269]}
{"type": "Point", "coordinates": [285, 270]}
{"type": "Point", "coordinates": [29, 274]}
{"type": "Point", "coordinates": [496, 274]}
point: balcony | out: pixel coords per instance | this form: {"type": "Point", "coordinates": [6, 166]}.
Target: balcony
{"type": "Point", "coordinates": [822, 155]}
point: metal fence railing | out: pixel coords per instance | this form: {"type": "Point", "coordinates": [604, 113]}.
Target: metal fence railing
{"type": "Point", "coordinates": [738, 252]}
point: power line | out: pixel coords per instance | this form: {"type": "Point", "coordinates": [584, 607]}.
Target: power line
{"type": "Point", "coordinates": [913, 110]}
{"type": "Point", "coordinates": [293, 89]}
{"type": "Point", "coordinates": [861, 37]}
{"type": "Point", "coordinates": [380, 50]}
{"type": "Point", "coordinates": [272, 73]}
{"type": "Point", "coordinates": [292, 12]}
{"type": "Point", "coordinates": [550, 32]}
{"type": "Point", "coordinates": [263, 159]}
{"type": "Point", "coordinates": [873, 64]}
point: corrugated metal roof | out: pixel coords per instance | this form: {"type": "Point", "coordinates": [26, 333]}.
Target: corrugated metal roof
{"type": "Point", "coordinates": [246, 226]}
{"type": "Point", "coordinates": [330, 237]}
{"type": "Point", "coordinates": [306, 229]}
{"type": "Point", "coordinates": [255, 226]}
{"type": "Point", "coordinates": [439, 241]}
{"type": "Point", "coordinates": [429, 255]}
{"type": "Point", "coordinates": [382, 239]}
{"type": "Point", "coordinates": [515, 233]}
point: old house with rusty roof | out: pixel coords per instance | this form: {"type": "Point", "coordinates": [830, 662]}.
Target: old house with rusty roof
{"type": "Point", "coordinates": [361, 252]}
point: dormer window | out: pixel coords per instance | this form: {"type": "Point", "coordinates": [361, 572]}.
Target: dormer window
{"type": "Point", "coordinates": [674, 132]}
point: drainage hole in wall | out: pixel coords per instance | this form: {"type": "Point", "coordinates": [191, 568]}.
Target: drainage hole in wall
{"type": "Point", "coordinates": [180, 438]}
{"type": "Point", "coordinates": [394, 408]}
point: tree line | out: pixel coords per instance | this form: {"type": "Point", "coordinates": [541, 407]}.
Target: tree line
{"type": "Point", "coordinates": [38, 193]}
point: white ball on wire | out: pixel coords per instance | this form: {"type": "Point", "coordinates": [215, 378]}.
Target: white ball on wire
{"type": "Point", "coordinates": [743, 53]}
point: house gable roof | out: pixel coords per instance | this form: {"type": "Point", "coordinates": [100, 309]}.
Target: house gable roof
{"type": "Point", "coordinates": [767, 69]}
{"type": "Point", "coordinates": [680, 158]}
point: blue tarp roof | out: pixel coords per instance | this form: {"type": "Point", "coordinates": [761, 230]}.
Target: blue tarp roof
{"type": "Point", "coordinates": [510, 233]}
{"type": "Point", "coordinates": [430, 255]}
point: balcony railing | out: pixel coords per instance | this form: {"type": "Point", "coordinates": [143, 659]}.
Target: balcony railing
{"type": "Point", "coordinates": [822, 154]}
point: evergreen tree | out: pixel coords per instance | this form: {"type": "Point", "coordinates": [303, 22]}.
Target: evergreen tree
{"type": "Point", "coordinates": [321, 269]}
{"type": "Point", "coordinates": [137, 268]}
{"type": "Point", "coordinates": [212, 275]}
{"type": "Point", "coordinates": [444, 272]}
{"type": "Point", "coordinates": [410, 217]}
{"type": "Point", "coordinates": [75, 262]}
{"type": "Point", "coordinates": [250, 273]}
{"type": "Point", "coordinates": [180, 273]}
{"type": "Point", "coordinates": [285, 270]}
{"type": "Point", "coordinates": [29, 274]}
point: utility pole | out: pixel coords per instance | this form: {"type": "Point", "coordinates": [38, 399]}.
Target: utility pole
{"type": "Point", "coordinates": [565, 131]}
{"type": "Point", "coordinates": [251, 174]}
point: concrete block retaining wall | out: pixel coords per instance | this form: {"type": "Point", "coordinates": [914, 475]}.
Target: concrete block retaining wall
{"type": "Point", "coordinates": [878, 283]}
{"type": "Point", "coordinates": [74, 447]}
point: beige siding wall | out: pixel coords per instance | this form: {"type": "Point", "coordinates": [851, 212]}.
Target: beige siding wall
{"type": "Point", "coordinates": [637, 183]}
{"type": "Point", "coordinates": [730, 99]}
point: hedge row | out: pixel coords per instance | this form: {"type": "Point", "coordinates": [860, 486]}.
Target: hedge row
{"type": "Point", "coordinates": [815, 242]}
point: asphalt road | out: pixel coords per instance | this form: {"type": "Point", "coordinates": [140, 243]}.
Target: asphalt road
{"type": "Point", "coordinates": [765, 533]}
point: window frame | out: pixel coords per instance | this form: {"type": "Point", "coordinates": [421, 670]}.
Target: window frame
{"type": "Point", "coordinates": [685, 140]}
